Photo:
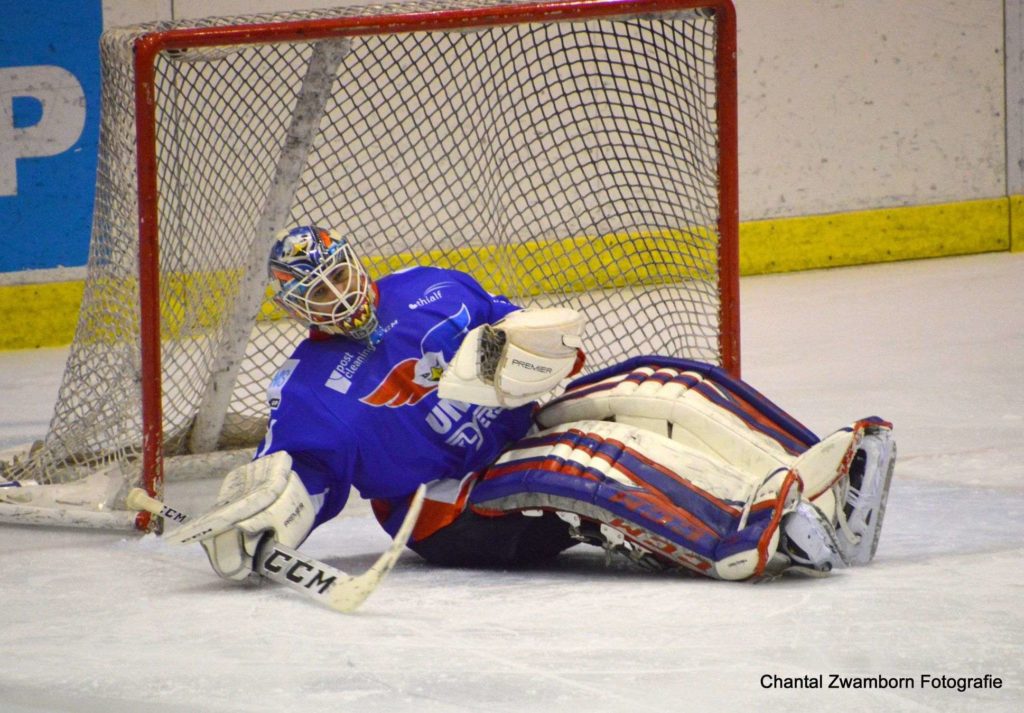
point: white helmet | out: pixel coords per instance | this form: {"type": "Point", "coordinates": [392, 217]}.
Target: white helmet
{"type": "Point", "coordinates": [321, 282]}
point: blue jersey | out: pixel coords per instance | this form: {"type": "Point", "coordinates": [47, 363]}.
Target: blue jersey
{"type": "Point", "coordinates": [355, 416]}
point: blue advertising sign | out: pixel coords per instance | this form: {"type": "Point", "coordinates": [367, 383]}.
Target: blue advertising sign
{"type": "Point", "coordinates": [49, 127]}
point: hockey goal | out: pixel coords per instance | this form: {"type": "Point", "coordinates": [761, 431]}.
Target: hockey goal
{"type": "Point", "coordinates": [578, 153]}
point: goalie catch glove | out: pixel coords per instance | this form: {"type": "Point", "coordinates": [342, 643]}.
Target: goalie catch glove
{"type": "Point", "coordinates": [517, 360]}
{"type": "Point", "coordinates": [262, 499]}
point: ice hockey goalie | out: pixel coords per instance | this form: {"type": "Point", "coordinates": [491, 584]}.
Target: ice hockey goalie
{"type": "Point", "coordinates": [673, 462]}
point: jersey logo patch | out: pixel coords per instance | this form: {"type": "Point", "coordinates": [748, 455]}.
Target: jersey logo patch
{"type": "Point", "coordinates": [279, 380]}
{"type": "Point", "coordinates": [412, 379]}
{"type": "Point", "coordinates": [431, 294]}
{"type": "Point", "coordinates": [399, 387]}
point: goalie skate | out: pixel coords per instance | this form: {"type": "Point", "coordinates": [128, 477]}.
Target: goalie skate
{"type": "Point", "coordinates": [867, 490]}
{"type": "Point", "coordinates": [613, 542]}
{"type": "Point", "coordinates": [813, 542]}
{"type": "Point", "coordinates": [810, 542]}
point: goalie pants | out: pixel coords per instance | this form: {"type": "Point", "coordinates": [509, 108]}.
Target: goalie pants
{"type": "Point", "coordinates": [451, 533]}
{"type": "Point", "coordinates": [512, 540]}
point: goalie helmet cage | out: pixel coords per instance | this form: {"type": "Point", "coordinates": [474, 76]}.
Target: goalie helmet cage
{"type": "Point", "coordinates": [578, 153]}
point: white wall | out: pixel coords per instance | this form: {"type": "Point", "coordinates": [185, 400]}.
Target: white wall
{"type": "Point", "coordinates": [131, 12]}
{"type": "Point", "coordinates": [869, 103]}
{"type": "Point", "coordinates": [844, 105]}
{"type": "Point", "coordinates": [1015, 97]}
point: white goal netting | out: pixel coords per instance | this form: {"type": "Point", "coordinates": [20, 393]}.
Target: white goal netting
{"type": "Point", "coordinates": [559, 157]}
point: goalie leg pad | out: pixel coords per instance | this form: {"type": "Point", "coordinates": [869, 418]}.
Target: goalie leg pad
{"type": "Point", "coordinates": [696, 404]}
{"type": "Point", "coordinates": [845, 476]}
{"type": "Point", "coordinates": [652, 491]}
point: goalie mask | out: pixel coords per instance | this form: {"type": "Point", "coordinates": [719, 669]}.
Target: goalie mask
{"type": "Point", "coordinates": [321, 282]}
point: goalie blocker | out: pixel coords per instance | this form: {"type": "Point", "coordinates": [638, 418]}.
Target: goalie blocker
{"type": "Point", "coordinates": [260, 501]}
{"type": "Point", "coordinates": [677, 465]}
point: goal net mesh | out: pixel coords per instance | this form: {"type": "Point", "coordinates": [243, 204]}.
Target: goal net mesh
{"type": "Point", "coordinates": [570, 163]}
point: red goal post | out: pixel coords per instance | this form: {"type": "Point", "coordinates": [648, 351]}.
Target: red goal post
{"type": "Point", "coordinates": [598, 209]}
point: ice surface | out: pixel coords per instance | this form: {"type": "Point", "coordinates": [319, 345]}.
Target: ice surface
{"type": "Point", "coordinates": [112, 622]}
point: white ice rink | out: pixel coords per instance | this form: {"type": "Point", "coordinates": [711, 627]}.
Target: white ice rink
{"type": "Point", "coordinates": [101, 622]}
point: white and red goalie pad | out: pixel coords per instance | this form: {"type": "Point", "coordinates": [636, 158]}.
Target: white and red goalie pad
{"type": "Point", "coordinates": [688, 508]}
{"type": "Point", "coordinates": [693, 403]}
{"type": "Point", "coordinates": [680, 457]}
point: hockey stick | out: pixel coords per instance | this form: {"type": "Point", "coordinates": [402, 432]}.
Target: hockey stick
{"type": "Point", "coordinates": [317, 580]}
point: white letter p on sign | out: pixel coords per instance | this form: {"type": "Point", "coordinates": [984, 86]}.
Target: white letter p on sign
{"type": "Point", "coordinates": [63, 117]}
